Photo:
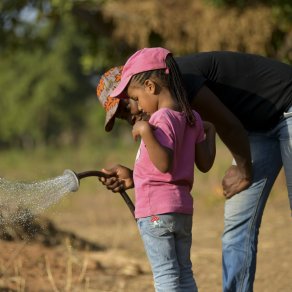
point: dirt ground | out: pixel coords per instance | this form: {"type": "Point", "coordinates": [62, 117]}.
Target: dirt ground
{"type": "Point", "coordinates": [91, 243]}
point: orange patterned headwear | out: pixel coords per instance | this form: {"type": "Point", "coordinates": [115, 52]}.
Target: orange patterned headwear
{"type": "Point", "coordinates": [107, 83]}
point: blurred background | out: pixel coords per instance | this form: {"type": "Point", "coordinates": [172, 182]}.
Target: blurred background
{"type": "Point", "coordinates": [53, 52]}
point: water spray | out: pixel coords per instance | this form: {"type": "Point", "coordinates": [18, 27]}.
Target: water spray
{"type": "Point", "coordinates": [76, 177]}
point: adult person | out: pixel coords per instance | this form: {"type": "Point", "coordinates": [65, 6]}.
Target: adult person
{"type": "Point", "coordinates": [248, 98]}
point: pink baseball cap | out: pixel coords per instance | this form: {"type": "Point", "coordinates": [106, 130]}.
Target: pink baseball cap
{"type": "Point", "coordinates": [107, 83]}
{"type": "Point", "coordinates": [143, 60]}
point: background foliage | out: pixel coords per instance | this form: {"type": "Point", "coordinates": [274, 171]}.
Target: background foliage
{"type": "Point", "coordinates": [52, 52]}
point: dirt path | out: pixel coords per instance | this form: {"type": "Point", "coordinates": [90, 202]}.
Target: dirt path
{"type": "Point", "coordinates": [121, 264]}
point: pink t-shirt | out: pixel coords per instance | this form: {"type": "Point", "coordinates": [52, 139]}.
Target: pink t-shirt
{"type": "Point", "coordinates": [160, 193]}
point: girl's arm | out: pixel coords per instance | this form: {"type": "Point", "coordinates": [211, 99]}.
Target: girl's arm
{"type": "Point", "coordinates": [159, 155]}
{"type": "Point", "coordinates": [206, 150]}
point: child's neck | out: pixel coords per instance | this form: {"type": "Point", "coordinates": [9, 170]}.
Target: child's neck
{"type": "Point", "coordinates": [167, 101]}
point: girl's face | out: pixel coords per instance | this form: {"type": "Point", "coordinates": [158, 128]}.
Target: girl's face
{"type": "Point", "coordinates": [144, 96]}
{"type": "Point", "coordinates": [128, 110]}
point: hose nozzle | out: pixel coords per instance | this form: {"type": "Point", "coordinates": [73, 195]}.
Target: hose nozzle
{"type": "Point", "coordinates": [76, 177]}
{"type": "Point", "coordinates": [73, 180]}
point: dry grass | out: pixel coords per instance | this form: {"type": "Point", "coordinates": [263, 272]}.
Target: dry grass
{"type": "Point", "coordinates": [102, 217]}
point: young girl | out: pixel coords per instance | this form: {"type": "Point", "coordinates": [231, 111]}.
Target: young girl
{"type": "Point", "coordinates": [173, 140]}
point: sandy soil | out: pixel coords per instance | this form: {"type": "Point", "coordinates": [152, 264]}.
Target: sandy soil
{"type": "Point", "coordinates": [91, 243]}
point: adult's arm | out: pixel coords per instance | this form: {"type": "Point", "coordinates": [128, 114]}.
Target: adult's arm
{"type": "Point", "coordinates": [120, 178]}
{"type": "Point", "coordinates": [238, 177]}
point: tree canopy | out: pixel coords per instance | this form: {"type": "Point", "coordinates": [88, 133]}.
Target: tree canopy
{"type": "Point", "coordinates": [52, 52]}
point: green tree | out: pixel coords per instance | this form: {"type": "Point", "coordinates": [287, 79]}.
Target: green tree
{"type": "Point", "coordinates": [43, 90]}
{"type": "Point", "coordinates": [50, 52]}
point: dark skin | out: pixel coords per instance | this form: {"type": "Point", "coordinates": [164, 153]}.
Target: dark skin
{"type": "Point", "coordinates": [237, 177]}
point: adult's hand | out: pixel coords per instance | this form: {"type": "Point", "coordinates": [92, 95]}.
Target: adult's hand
{"type": "Point", "coordinates": [120, 178]}
{"type": "Point", "coordinates": [234, 136]}
{"type": "Point", "coordinates": [234, 181]}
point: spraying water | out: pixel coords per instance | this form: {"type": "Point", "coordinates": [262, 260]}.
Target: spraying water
{"type": "Point", "coordinates": [35, 196]}
{"type": "Point", "coordinates": [21, 200]}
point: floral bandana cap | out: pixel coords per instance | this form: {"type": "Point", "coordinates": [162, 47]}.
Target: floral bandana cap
{"type": "Point", "coordinates": [107, 83]}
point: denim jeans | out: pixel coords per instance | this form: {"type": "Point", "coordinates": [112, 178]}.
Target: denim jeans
{"type": "Point", "coordinates": [243, 212]}
{"type": "Point", "coordinates": [167, 240]}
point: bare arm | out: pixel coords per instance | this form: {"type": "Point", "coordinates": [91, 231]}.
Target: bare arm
{"type": "Point", "coordinates": [233, 135]}
{"type": "Point", "coordinates": [206, 150]}
{"type": "Point", "coordinates": [160, 156]}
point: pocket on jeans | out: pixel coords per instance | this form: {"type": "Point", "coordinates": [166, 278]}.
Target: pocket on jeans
{"type": "Point", "coordinates": [156, 228]}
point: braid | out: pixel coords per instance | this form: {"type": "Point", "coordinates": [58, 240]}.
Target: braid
{"type": "Point", "coordinates": [173, 81]}
{"type": "Point", "coordinates": [141, 77]}
{"type": "Point", "coordinates": [177, 89]}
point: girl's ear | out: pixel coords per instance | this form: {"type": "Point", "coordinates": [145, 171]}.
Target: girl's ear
{"type": "Point", "coordinates": [150, 86]}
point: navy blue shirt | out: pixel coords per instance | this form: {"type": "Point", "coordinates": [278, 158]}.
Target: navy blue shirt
{"type": "Point", "coordinates": [256, 89]}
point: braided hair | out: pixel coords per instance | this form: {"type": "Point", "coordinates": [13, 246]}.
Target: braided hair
{"type": "Point", "coordinates": [173, 81]}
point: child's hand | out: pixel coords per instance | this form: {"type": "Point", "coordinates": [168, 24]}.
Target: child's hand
{"type": "Point", "coordinates": [140, 128]}
{"type": "Point", "coordinates": [207, 126]}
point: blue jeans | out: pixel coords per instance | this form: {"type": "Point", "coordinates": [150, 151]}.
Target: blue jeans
{"type": "Point", "coordinates": [243, 212]}
{"type": "Point", "coordinates": [167, 241]}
